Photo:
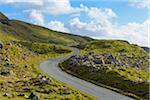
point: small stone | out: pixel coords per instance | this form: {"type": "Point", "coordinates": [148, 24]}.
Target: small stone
{"type": "Point", "coordinates": [7, 95]}
{"type": "Point", "coordinates": [21, 94]}
{"type": "Point", "coordinates": [1, 46]}
{"type": "Point", "coordinates": [8, 65]}
{"type": "Point", "coordinates": [25, 66]}
{"type": "Point", "coordinates": [67, 92]}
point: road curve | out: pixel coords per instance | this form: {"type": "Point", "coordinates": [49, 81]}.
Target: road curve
{"type": "Point", "coordinates": [51, 68]}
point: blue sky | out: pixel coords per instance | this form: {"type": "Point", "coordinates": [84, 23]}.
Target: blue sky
{"type": "Point", "coordinates": [102, 19]}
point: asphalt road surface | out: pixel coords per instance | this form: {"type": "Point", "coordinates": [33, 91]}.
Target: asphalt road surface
{"type": "Point", "coordinates": [51, 68]}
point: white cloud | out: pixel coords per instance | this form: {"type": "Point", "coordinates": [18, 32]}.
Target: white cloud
{"type": "Point", "coordinates": [101, 25]}
{"type": "Point", "coordinates": [140, 3]}
{"type": "Point", "coordinates": [77, 23]}
{"type": "Point", "coordinates": [54, 7]}
{"type": "Point", "coordinates": [58, 26]}
{"type": "Point", "coordinates": [36, 17]}
{"type": "Point", "coordinates": [27, 3]}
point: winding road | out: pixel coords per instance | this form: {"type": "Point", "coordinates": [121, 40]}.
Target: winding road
{"type": "Point", "coordinates": [51, 68]}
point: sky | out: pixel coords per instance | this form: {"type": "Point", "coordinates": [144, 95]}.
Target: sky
{"type": "Point", "coordinates": [100, 19]}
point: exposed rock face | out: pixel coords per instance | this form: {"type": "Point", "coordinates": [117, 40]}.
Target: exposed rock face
{"type": "Point", "coordinates": [107, 59]}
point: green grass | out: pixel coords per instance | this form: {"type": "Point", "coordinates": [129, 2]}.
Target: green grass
{"type": "Point", "coordinates": [28, 53]}
{"type": "Point", "coordinates": [126, 80]}
{"type": "Point", "coordinates": [115, 47]}
{"type": "Point", "coordinates": [28, 45]}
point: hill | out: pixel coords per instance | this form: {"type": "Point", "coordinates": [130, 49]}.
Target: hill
{"type": "Point", "coordinates": [22, 47]}
{"type": "Point", "coordinates": [30, 32]}
{"type": "Point", "coordinates": [113, 64]}
{"type": "Point", "coordinates": [114, 46]}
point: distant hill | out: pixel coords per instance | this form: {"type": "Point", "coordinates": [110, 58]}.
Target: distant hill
{"type": "Point", "coordinates": [114, 46]}
{"type": "Point", "coordinates": [27, 31]}
{"type": "Point", "coordinates": [30, 32]}
{"type": "Point", "coordinates": [147, 49]}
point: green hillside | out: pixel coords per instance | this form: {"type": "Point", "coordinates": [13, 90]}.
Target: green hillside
{"type": "Point", "coordinates": [22, 47]}
{"type": "Point", "coordinates": [114, 46]}
{"type": "Point", "coordinates": [113, 64]}
{"type": "Point", "coordinates": [26, 31]}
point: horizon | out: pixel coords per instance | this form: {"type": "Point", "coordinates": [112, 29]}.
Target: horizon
{"type": "Point", "coordinates": [82, 17]}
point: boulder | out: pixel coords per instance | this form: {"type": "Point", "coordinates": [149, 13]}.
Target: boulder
{"type": "Point", "coordinates": [98, 61]}
{"type": "Point", "coordinates": [86, 63]}
{"type": "Point", "coordinates": [40, 80]}
{"type": "Point", "coordinates": [90, 57]}
{"type": "Point", "coordinates": [7, 95]}
{"type": "Point", "coordinates": [33, 96]}
{"type": "Point", "coordinates": [5, 72]}
{"type": "Point", "coordinates": [74, 62]}
{"type": "Point", "coordinates": [1, 46]}
{"type": "Point", "coordinates": [7, 59]}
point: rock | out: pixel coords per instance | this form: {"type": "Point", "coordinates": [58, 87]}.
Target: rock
{"type": "Point", "coordinates": [39, 75]}
{"type": "Point", "coordinates": [1, 46]}
{"type": "Point", "coordinates": [67, 92]}
{"type": "Point", "coordinates": [86, 63]}
{"type": "Point", "coordinates": [5, 72]}
{"type": "Point", "coordinates": [98, 61]}
{"type": "Point", "coordinates": [91, 53]}
{"type": "Point", "coordinates": [7, 95]}
{"type": "Point", "coordinates": [33, 96]}
{"type": "Point", "coordinates": [21, 94]}
{"type": "Point", "coordinates": [8, 64]}
{"type": "Point", "coordinates": [27, 89]}
{"type": "Point", "coordinates": [12, 42]}
{"type": "Point", "coordinates": [7, 59]}
{"type": "Point", "coordinates": [74, 62]}
{"type": "Point", "coordinates": [40, 80]}
{"type": "Point", "coordinates": [25, 66]}
{"type": "Point", "coordinates": [30, 49]}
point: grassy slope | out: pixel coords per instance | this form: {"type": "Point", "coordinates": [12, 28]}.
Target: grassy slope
{"type": "Point", "coordinates": [28, 53]}
{"type": "Point", "coordinates": [26, 31]}
{"type": "Point", "coordinates": [121, 79]}
{"type": "Point", "coordinates": [115, 47]}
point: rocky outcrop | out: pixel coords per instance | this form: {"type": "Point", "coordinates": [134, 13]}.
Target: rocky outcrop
{"type": "Point", "coordinates": [108, 59]}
